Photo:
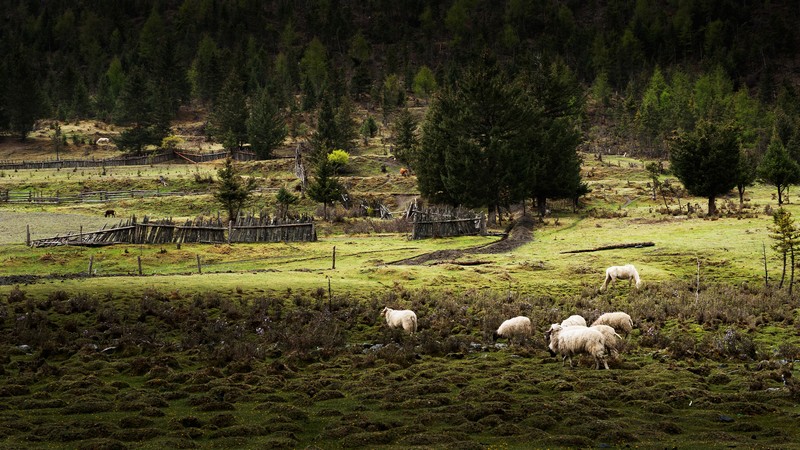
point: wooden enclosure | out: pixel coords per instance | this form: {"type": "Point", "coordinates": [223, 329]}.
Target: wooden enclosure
{"type": "Point", "coordinates": [200, 230]}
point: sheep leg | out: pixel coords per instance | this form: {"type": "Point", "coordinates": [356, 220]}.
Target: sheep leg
{"type": "Point", "coordinates": [605, 283]}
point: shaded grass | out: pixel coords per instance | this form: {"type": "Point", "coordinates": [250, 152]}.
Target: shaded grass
{"type": "Point", "coordinates": [211, 370]}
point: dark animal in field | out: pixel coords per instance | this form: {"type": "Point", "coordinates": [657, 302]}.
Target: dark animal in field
{"type": "Point", "coordinates": [111, 213]}
{"type": "Point", "coordinates": [404, 172]}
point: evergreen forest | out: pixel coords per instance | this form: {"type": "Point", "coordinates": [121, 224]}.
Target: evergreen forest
{"type": "Point", "coordinates": [513, 87]}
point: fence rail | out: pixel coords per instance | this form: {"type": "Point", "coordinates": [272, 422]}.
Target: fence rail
{"type": "Point", "coordinates": [159, 158]}
{"type": "Point", "coordinates": [85, 197]}
{"type": "Point", "coordinates": [200, 230]}
{"type": "Point", "coordinates": [444, 222]}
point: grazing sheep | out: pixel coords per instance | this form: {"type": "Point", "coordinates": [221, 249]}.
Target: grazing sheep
{"type": "Point", "coordinates": [518, 328]}
{"type": "Point", "coordinates": [573, 321]}
{"type": "Point", "coordinates": [626, 272]}
{"type": "Point", "coordinates": [571, 341]}
{"type": "Point", "coordinates": [618, 320]}
{"type": "Point", "coordinates": [400, 318]}
{"type": "Point", "coordinates": [610, 338]}
{"type": "Point", "coordinates": [102, 141]}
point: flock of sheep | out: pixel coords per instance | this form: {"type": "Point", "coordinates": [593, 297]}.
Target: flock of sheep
{"type": "Point", "coordinates": [569, 338]}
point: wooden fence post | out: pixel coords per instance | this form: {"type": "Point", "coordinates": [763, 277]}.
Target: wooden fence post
{"type": "Point", "coordinates": [139, 260]}
{"type": "Point", "coordinates": [28, 235]}
{"type": "Point", "coordinates": [333, 266]}
{"type": "Point", "coordinates": [230, 231]}
{"type": "Point", "coordinates": [199, 269]}
{"type": "Point", "coordinates": [91, 263]}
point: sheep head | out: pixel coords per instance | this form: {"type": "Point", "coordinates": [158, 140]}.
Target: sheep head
{"type": "Point", "coordinates": [551, 338]}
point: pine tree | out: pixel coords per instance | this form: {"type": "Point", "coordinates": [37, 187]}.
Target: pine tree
{"type": "Point", "coordinates": [778, 168]}
{"type": "Point", "coordinates": [705, 158]}
{"type": "Point", "coordinates": [475, 139]}
{"type": "Point", "coordinates": [314, 66]}
{"type": "Point", "coordinates": [266, 125]}
{"type": "Point", "coordinates": [405, 136]}
{"type": "Point", "coordinates": [368, 129]}
{"type": "Point", "coordinates": [233, 192]}
{"type": "Point", "coordinates": [285, 199]}
{"type": "Point", "coordinates": [326, 137]}
{"type": "Point", "coordinates": [23, 100]}
{"type": "Point", "coordinates": [229, 116]}
{"type": "Point", "coordinates": [137, 108]}
{"type": "Point", "coordinates": [787, 238]}
{"type": "Point", "coordinates": [424, 83]}
{"type": "Point", "coordinates": [324, 187]}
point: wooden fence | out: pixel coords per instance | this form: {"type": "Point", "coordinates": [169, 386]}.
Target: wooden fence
{"type": "Point", "coordinates": [84, 197]}
{"type": "Point", "coordinates": [200, 230]}
{"type": "Point", "coordinates": [159, 158]}
{"type": "Point", "coordinates": [444, 222]}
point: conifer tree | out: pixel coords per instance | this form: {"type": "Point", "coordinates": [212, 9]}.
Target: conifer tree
{"type": "Point", "coordinates": [787, 237]}
{"type": "Point", "coordinates": [405, 136]}
{"type": "Point", "coordinates": [138, 109]}
{"type": "Point", "coordinates": [266, 126]}
{"type": "Point", "coordinates": [229, 115]}
{"type": "Point", "coordinates": [705, 158]}
{"type": "Point", "coordinates": [233, 191]}
{"type": "Point", "coordinates": [285, 199]}
{"type": "Point", "coordinates": [324, 187]}
{"type": "Point", "coordinates": [778, 168]}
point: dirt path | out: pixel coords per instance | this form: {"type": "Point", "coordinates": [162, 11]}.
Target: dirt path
{"type": "Point", "coordinates": [520, 234]}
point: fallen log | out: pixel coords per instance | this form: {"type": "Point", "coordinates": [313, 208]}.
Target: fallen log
{"type": "Point", "coordinates": [613, 247]}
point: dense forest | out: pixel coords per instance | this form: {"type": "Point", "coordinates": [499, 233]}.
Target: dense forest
{"type": "Point", "coordinates": [578, 72]}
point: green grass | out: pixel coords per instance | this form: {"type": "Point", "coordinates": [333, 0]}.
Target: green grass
{"type": "Point", "coordinates": [186, 367]}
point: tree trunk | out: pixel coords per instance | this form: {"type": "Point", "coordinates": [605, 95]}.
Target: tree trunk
{"type": "Point", "coordinates": [783, 271]}
{"type": "Point", "coordinates": [780, 195]}
{"type": "Point", "coordinates": [491, 211]}
{"type": "Point", "coordinates": [791, 271]}
{"type": "Point", "coordinates": [740, 188]}
{"type": "Point", "coordinates": [541, 203]}
{"type": "Point", "coordinates": [712, 206]}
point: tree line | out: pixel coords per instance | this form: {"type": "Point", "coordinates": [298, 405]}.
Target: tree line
{"type": "Point", "coordinates": [506, 82]}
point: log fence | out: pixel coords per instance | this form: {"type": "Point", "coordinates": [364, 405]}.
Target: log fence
{"type": "Point", "coordinates": [446, 222]}
{"type": "Point", "coordinates": [158, 158]}
{"type": "Point", "coordinates": [41, 197]}
{"type": "Point", "coordinates": [200, 230]}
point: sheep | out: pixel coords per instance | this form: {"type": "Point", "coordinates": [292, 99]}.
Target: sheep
{"type": "Point", "coordinates": [610, 338]}
{"type": "Point", "coordinates": [575, 340]}
{"type": "Point", "coordinates": [626, 272]}
{"type": "Point", "coordinates": [574, 320]}
{"type": "Point", "coordinates": [618, 320]}
{"type": "Point", "coordinates": [103, 141]}
{"type": "Point", "coordinates": [518, 328]}
{"type": "Point", "coordinates": [400, 318]}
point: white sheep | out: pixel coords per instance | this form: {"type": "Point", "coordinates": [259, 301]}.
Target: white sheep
{"type": "Point", "coordinates": [571, 341]}
{"type": "Point", "coordinates": [400, 318]}
{"type": "Point", "coordinates": [573, 321]}
{"type": "Point", "coordinates": [618, 320]}
{"type": "Point", "coordinates": [626, 272]}
{"type": "Point", "coordinates": [611, 339]}
{"type": "Point", "coordinates": [518, 328]}
{"type": "Point", "coordinates": [102, 141]}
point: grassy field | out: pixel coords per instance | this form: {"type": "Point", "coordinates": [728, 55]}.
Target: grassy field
{"type": "Point", "coordinates": [272, 347]}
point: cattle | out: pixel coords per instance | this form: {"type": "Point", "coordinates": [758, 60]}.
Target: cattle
{"type": "Point", "coordinates": [111, 213]}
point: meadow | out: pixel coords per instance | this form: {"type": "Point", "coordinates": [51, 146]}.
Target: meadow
{"type": "Point", "coordinates": [272, 347]}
